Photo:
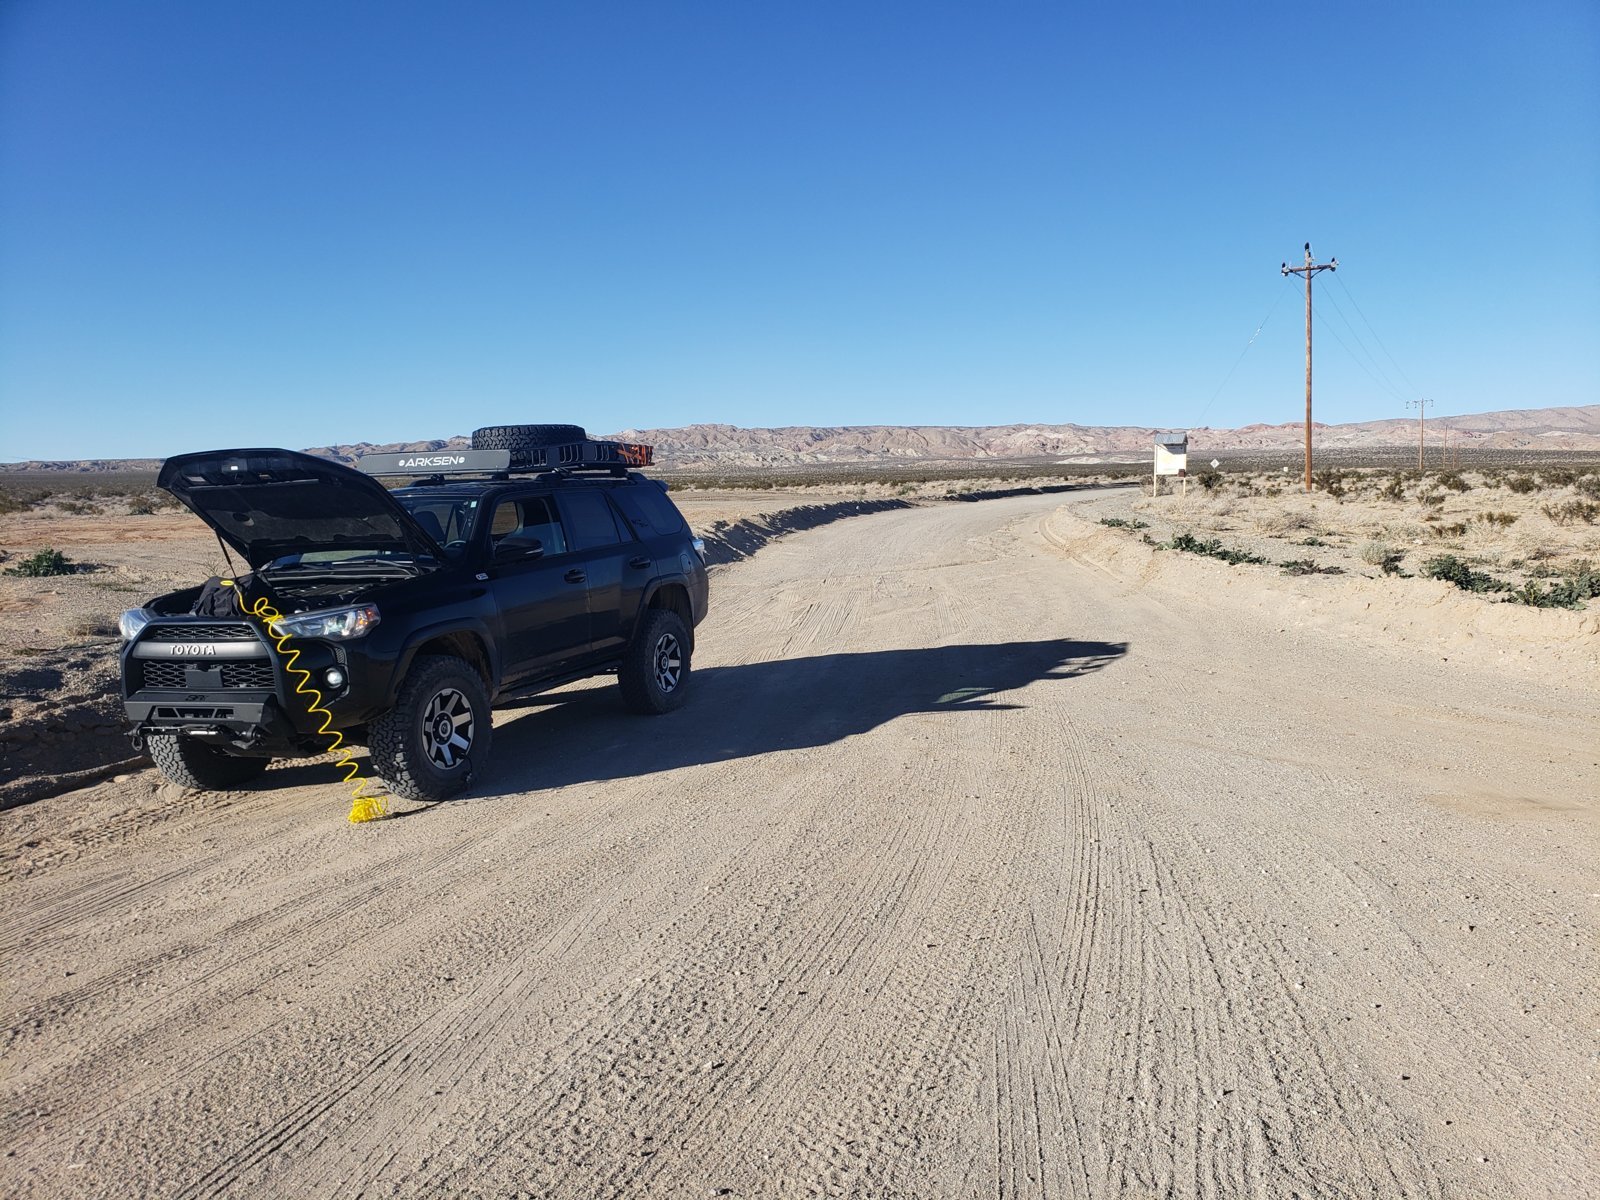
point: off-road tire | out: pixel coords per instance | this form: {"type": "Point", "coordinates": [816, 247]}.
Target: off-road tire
{"type": "Point", "coordinates": [651, 684]}
{"type": "Point", "coordinates": [519, 439]}
{"type": "Point", "coordinates": [191, 763]}
{"type": "Point", "coordinates": [406, 756]}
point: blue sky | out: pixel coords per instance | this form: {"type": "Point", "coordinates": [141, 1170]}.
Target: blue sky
{"type": "Point", "coordinates": [303, 223]}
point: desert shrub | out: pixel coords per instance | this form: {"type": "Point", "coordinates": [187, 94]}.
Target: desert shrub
{"type": "Point", "coordinates": [1374, 552]}
{"type": "Point", "coordinates": [94, 627]}
{"type": "Point", "coordinates": [1454, 529]}
{"type": "Point", "coordinates": [1571, 512]}
{"type": "Point", "coordinates": [1454, 481]}
{"type": "Point", "coordinates": [1395, 489]}
{"type": "Point", "coordinates": [1431, 499]}
{"type": "Point", "coordinates": [1580, 584]}
{"type": "Point", "coordinates": [78, 508]}
{"type": "Point", "coordinates": [1212, 548]}
{"type": "Point", "coordinates": [1331, 481]}
{"type": "Point", "coordinates": [1307, 566]}
{"type": "Point", "coordinates": [1453, 570]}
{"type": "Point", "coordinates": [43, 562]}
{"type": "Point", "coordinates": [1208, 478]}
{"type": "Point", "coordinates": [1123, 523]}
{"type": "Point", "coordinates": [14, 500]}
{"type": "Point", "coordinates": [1522, 484]}
{"type": "Point", "coordinates": [1311, 541]}
{"type": "Point", "coordinates": [1558, 476]}
{"type": "Point", "coordinates": [1588, 485]}
{"type": "Point", "coordinates": [1502, 519]}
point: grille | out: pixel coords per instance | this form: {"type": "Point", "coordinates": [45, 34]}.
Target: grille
{"type": "Point", "coordinates": [235, 632]}
{"type": "Point", "coordinates": [234, 674]}
{"type": "Point", "coordinates": [164, 674]}
{"type": "Point", "coordinates": [247, 675]}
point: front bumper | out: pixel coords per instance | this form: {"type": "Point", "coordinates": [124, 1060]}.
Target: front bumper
{"type": "Point", "coordinates": [234, 688]}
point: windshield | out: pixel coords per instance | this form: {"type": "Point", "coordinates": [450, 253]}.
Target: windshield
{"type": "Point", "coordinates": [448, 520]}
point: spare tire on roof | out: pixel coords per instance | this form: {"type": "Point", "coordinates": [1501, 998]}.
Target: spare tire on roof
{"type": "Point", "coordinates": [519, 439]}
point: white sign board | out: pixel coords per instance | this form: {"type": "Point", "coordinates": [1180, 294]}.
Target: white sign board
{"type": "Point", "coordinates": [1172, 455]}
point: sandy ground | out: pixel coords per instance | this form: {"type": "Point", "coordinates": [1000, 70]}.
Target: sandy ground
{"type": "Point", "coordinates": [975, 867]}
{"type": "Point", "coordinates": [61, 720]}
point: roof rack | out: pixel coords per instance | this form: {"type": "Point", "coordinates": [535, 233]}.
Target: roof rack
{"type": "Point", "coordinates": [614, 457]}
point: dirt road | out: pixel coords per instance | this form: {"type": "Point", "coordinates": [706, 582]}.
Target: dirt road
{"type": "Point", "coordinates": [969, 871]}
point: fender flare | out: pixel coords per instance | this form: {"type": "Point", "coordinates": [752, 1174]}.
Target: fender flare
{"type": "Point", "coordinates": [418, 638]}
{"type": "Point", "coordinates": [677, 579]}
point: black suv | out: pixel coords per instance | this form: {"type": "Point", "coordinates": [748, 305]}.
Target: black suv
{"type": "Point", "coordinates": [523, 564]}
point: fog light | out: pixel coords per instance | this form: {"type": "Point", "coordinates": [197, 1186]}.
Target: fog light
{"type": "Point", "coordinates": [333, 677]}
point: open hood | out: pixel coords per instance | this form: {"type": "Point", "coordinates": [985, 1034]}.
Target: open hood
{"type": "Point", "coordinates": [267, 503]}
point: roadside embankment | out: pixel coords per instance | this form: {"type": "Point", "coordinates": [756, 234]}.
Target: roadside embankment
{"type": "Point", "coordinates": [1424, 615]}
{"type": "Point", "coordinates": [729, 541]}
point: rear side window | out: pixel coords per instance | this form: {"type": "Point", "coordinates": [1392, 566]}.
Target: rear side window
{"type": "Point", "coordinates": [647, 507]}
{"type": "Point", "coordinates": [534, 517]}
{"type": "Point", "coordinates": [591, 520]}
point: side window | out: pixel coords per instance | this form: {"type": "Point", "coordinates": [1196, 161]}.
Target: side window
{"type": "Point", "coordinates": [529, 518]}
{"type": "Point", "coordinates": [648, 508]}
{"type": "Point", "coordinates": [593, 523]}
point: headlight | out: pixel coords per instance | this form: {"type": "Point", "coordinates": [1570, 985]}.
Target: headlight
{"type": "Point", "coordinates": [337, 624]}
{"type": "Point", "coordinates": [131, 622]}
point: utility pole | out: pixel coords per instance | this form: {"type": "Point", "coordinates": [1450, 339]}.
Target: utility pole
{"type": "Point", "coordinates": [1421, 406]}
{"type": "Point", "coordinates": [1310, 269]}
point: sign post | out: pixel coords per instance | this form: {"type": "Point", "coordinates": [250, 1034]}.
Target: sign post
{"type": "Point", "coordinates": [1171, 458]}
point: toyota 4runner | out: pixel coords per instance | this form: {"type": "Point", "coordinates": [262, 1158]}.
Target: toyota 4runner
{"type": "Point", "coordinates": [534, 559]}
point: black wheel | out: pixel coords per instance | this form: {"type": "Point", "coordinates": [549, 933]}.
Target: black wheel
{"type": "Point", "coordinates": [427, 746]}
{"type": "Point", "coordinates": [654, 673]}
{"type": "Point", "coordinates": [519, 439]}
{"type": "Point", "coordinates": [191, 763]}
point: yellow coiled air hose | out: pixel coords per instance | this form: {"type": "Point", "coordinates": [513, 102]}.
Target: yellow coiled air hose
{"type": "Point", "coordinates": [363, 806]}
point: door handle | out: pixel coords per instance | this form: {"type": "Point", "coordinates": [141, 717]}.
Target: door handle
{"type": "Point", "coordinates": [575, 576]}
{"type": "Point", "coordinates": [640, 563]}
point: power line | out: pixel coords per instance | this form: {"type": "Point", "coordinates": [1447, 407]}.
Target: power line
{"type": "Point", "coordinates": [1351, 297]}
{"type": "Point", "coordinates": [1327, 327]}
{"type": "Point", "coordinates": [1355, 335]}
{"type": "Point", "coordinates": [1276, 301]}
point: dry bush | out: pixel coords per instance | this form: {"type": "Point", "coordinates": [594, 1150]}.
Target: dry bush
{"type": "Point", "coordinates": [1571, 512]}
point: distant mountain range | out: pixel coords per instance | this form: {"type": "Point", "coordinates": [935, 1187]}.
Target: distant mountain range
{"type": "Point", "coordinates": [711, 446]}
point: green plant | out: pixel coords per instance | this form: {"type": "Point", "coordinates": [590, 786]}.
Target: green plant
{"type": "Point", "coordinates": [1208, 478]}
{"type": "Point", "coordinates": [1453, 570]}
{"type": "Point", "coordinates": [43, 562]}
{"type": "Point", "coordinates": [1522, 484]}
{"type": "Point", "coordinates": [1395, 489]}
{"type": "Point", "coordinates": [1580, 585]}
{"type": "Point", "coordinates": [1123, 523]}
{"type": "Point", "coordinates": [1453, 481]}
{"type": "Point", "coordinates": [1306, 566]}
{"type": "Point", "coordinates": [1212, 548]}
{"type": "Point", "coordinates": [1558, 476]}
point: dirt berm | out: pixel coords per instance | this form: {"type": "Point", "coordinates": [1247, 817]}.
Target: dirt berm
{"type": "Point", "coordinates": [1422, 614]}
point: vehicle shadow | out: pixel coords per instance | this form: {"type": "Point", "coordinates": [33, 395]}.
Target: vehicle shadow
{"type": "Point", "coordinates": [759, 708]}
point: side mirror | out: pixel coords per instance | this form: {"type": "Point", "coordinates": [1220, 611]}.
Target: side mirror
{"type": "Point", "coordinates": [511, 549]}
